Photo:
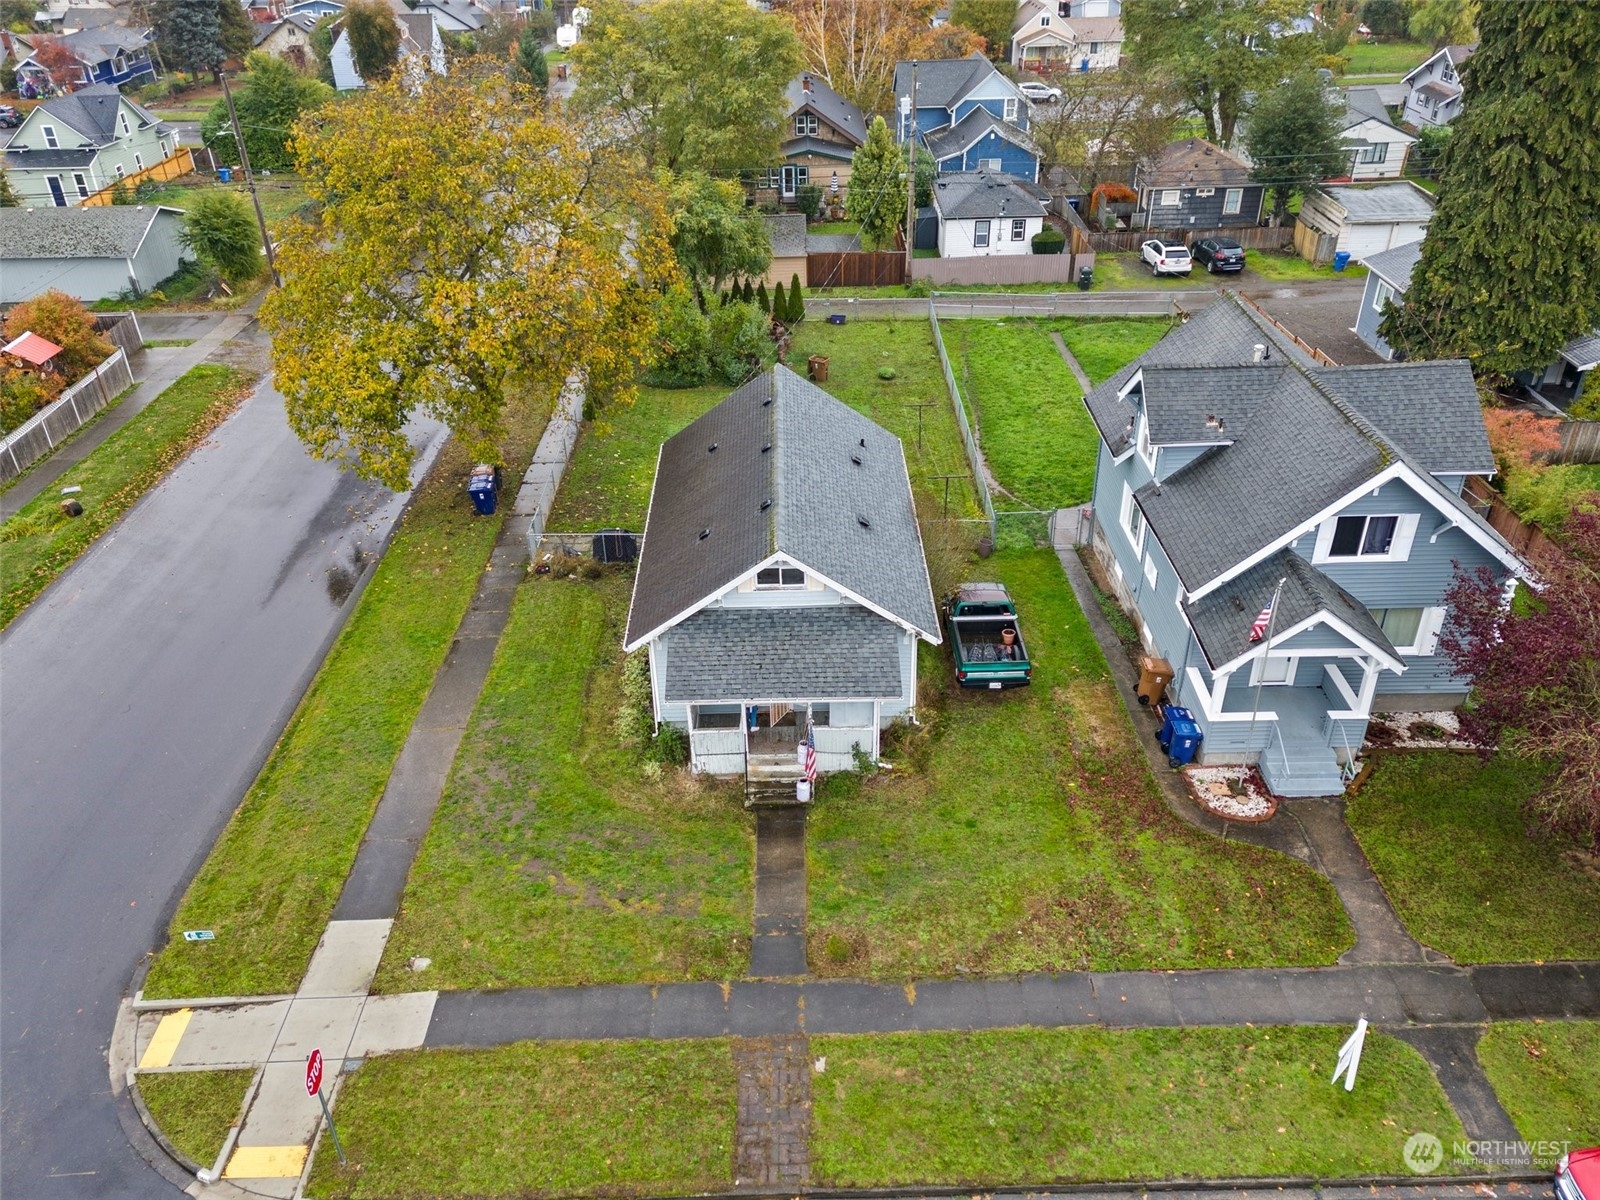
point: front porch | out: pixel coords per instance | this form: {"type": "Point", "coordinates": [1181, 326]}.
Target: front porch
{"type": "Point", "coordinates": [760, 739]}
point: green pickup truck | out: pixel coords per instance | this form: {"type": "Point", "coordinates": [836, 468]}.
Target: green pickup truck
{"type": "Point", "coordinates": [985, 637]}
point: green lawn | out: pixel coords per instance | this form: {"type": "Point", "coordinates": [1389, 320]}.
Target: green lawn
{"type": "Point", "coordinates": [41, 541]}
{"type": "Point", "coordinates": [856, 353]}
{"type": "Point", "coordinates": [1028, 409]}
{"type": "Point", "coordinates": [1447, 838]}
{"type": "Point", "coordinates": [1036, 1106]}
{"type": "Point", "coordinates": [549, 1119]}
{"type": "Point", "coordinates": [1022, 832]}
{"type": "Point", "coordinates": [280, 195]}
{"type": "Point", "coordinates": [1544, 1073]}
{"type": "Point", "coordinates": [1283, 267]}
{"type": "Point", "coordinates": [1385, 58]}
{"type": "Point", "coordinates": [554, 857]}
{"type": "Point", "coordinates": [275, 874]}
{"type": "Point", "coordinates": [1104, 345]}
{"type": "Point", "coordinates": [834, 227]}
{"type": "Point", "coordinates": [195, 1109]}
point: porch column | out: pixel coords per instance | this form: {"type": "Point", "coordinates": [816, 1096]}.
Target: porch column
{"type": "Point", "coordinates": [1369, 684]}
{"type": "Point", "coordinates": [1219, 689]}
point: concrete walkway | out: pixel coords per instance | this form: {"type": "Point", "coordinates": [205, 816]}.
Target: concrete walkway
{"type": "Point", "coordinates": [161, 369]}
{"type": "Point", "coordinates": [779, 945]}
{"type": "Point", "coordinates": [1073, 365]}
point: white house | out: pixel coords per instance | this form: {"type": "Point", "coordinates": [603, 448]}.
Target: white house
{"type": "Point", "coordinates": [1377, 145]}
{"type": "Point", "coordinates": [983, 214]}
{"type": "Point", "coordinates": [93, 253]}
{"type": "Point", "coordinates": [1046, 39]}
{"type": "Point", "coordinates": [1433, 90]}
{"type": "Point", "coordinates": [421, 48]}
{"type": "Point", "coordinates": [781, 582]}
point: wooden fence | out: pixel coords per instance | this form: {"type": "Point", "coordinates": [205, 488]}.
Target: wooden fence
{"type": "Point", "coordinates": [1580, 442]}
{"type": "Point", "coordinates": [181, 163]}
{"type": "Point", "coordinates": [1527, 540]}
{"type": "Point", "coordinates": [1002, 268]}
{"type": "Point", "coordinates": [1251, 237]}
{"type": "Point", "coordinates": [1316, 355]}
{"type": "Point", "coordinates": [859, 268]}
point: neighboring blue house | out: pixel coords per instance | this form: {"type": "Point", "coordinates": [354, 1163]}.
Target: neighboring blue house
{"type": "Point", "coordinates": [967, 113]}
{"type": "Point", "coordinates": [1230, 461]}
{"type": "Point", "coordinates": [111, 54]}
{"type": "Point", "coordinates": [1388, 277]}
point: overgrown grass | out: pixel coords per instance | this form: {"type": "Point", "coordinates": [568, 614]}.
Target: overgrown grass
{"type": "Point", "coordinates": [275, 874]}
{"type": "Point", "coordinates": [1291, 268]}
{"type": "Point", "coordinates": [537, 1120]}
{"type": "Point", "coordinates": [1036, 435]}
{"type": "Point", "coordinates": [195, 1109]}
{"type": "Point", "coordinates": [836, 227]}
{"type": "Point", "coordinates": [1544, 1073]}
{"type": "Point", "coordinates": [41, 541]}
{"type": "Point", "coordinates": [1021, 831]}
{"type": "Point", "coordinates": [1385, 58]}
{"type": "Point", "coordinates": [553, 858]}
{"type": "Point", "coordinates": [857, 352]}
{"type": "Point", "coordinates": [1036, 1106]}
{"type": "Point", "coordinates": [280, 195]}
{"type": "Point", "coordinates": [1104, 345]}
{"type": "Point", "coordinates": [1446, 835]}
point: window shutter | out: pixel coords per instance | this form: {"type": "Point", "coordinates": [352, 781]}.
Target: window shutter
{"type": "Point", "coordinates": [1405, 531]}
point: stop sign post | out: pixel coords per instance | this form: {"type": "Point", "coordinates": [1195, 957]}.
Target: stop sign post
{"type": "Point", "coordinates": [314, 1088]}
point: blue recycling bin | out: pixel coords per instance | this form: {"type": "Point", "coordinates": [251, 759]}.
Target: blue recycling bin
{"type": "Point", "coordinates": [1169, 717]}
{"type": "Point", "coordinates": [481, 487]}
{"type": "Point", "coordinates": [1184, 743]}
{"type": "Point", "coordinates": [1341, 259]}
{"type": "Point", "coordinates": [224, 174]}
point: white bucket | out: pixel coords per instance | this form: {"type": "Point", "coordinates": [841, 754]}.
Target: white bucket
{"type": "Point", "coordinates": [802, 791]}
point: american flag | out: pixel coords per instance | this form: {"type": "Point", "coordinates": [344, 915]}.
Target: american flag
{"type": "Point", "coordinates": [1258, 630]}
{"type": "Point", "coordinates": [809, 763]}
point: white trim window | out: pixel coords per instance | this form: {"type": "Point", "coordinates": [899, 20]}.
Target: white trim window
{"type": "Point", "coordinates": [1373, 152]}
{"type": "Point", "coordinates": [1413, 631]}
{"type": "Point", "coordinates": [1232, 202]}
{"type": "Point", "coordinates": [1133, 523]}
{"type": "Point", "coordinates": [1019, 228]}
{"type": "Point", "coordinates": [780, 578]}
{"type": "Point", "coordinates": [1147, 449]}
{"type": "Point", "coordinates": [1010, 107]}
{"type": "Point", "coordinates": [1170, 197]}
{"type": "Point", "coordinates": [980, 234]}
{"type": "Point", "coordinates": [988, 164]}
{"type": "Point", "coordinates": [805, 125]}
{"type": "Point", "coordinates": [1381, 296]}
{"type": "Point", "coordinates": [138, 161]}
{"type": "Point", "coordinates": [1366, 538]}
{"type": "Point", "coordinates": [122, 118]}
{"type": "Point", "coordinates": [81, 184]}
{"type": "Point", "coordinates": [1150, 569]}
{"type": "Point", "coordinates": [51, 141]}
{"type": "Point", "coordinates": [120, 172]}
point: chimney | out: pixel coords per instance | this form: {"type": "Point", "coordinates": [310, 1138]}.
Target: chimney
{"type": "Point", "coordinates": [805, 84]}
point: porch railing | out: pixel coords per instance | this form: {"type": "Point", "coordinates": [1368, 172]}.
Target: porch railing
{"type": "Point", "coordinates": [1283, 751]}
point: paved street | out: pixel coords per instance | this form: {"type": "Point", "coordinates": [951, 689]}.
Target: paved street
{"type": "Point", "coordinates": [140, 695]}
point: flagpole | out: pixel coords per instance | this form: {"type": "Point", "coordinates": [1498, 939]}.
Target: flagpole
{"type": "Point", "coordinates": [1272, 620]}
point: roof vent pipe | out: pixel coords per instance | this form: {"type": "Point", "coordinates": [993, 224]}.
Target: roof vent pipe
{"type": "Point", "coordinates": [1259, 353]}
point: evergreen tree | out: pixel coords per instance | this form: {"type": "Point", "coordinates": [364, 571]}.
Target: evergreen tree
{"type": "Point", "coordinates": [268, 106]}
{"type": "Point", "coordinates": [221, 230]}
{"type": "Point", "coordinates": [749, 294]}
{"type": "Point", "coordinates": [877, 196]}
{"type": "Point", "coordinates": [236, 31]}
{"type": "Point", "coordinates": [1510, 269]}
{"type": "Point", "coordinates": [761, 298]}
{"type": "Point", "coordinates": [531, 61]}
{"type": "Point", "coordinates": [189, 34]}
{"type": "Point", "coordinates": [1293, 138]}
{"type": "Point", "coordinates": [797, 300]}
{"type": "Point", "coordinates": [780, 304]}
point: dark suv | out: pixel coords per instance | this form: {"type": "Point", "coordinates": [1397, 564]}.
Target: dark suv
{"type": "Point", "coordinates": [1218, 254]}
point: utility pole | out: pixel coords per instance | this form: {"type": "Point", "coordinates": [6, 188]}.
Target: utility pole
{"type": "Point", "coordinates": [249, 178]}
{"type": "Point", "coordinates": [911, 176]}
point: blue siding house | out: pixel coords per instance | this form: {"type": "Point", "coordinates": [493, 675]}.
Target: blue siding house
{"type": "Point", "coordinates": [111, 54]}
{"type": "Point", "coordinates": [1388, 277]}
{"type": "Point", "coordinates": [967, 113]}
{"type": "Point", "coordinates": [1233, 468]}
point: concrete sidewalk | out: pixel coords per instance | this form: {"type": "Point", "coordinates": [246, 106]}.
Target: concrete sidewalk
{"type": "Point", "coordinates": [160, 368]}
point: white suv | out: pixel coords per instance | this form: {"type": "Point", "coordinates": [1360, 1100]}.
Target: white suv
{"type": "Point", "coordinates": [1034, 90]}
{"type": "Point", "coordinates": [1166, 258]}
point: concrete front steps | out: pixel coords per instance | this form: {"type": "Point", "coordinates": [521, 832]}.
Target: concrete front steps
{"type": "Point", "coordinates": [1312, 769]}
{"type": "Point", "coordinates": [769, 780]}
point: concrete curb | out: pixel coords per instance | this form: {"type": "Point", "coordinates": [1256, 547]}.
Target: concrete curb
{"type": "Point", "coordinates": [140, 1004]}
{"type": "Point", "coordinates": [177, 1156]}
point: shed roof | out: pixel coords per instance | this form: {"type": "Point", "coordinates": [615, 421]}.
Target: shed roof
{"type": "Point", "coordinates": [781, 467]}
{"type": "Point", "coordinates": [31, 348]}
{"type": "Point", "coordinates": [105, 231]}
{"type": "Point", "coordinates": [1583, 351]}
{"type": "Point", "coordinates": [1365, 104]}
{"type": "Point", "coordinates": [1376, 203]}
{"type": "Point", "coordinates": [788, 234]}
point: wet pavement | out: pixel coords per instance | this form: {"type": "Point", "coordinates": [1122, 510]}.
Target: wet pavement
{"type": "Point", "coordinates": [142, 692]}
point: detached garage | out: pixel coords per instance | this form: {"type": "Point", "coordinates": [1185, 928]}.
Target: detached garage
{"type": "Point", "coordinates": [93, 253]}
{"type": "Point", "coordinates": [1361, 219]}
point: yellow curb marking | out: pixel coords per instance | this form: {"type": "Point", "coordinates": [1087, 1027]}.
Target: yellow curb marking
{"type": "Point", "coordinates": [165, 1043]}
{"type": "Point", "coordinates": [266, 1162]}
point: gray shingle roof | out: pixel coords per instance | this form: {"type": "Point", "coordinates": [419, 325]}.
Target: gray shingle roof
{"type": "Point", "coordinates": [19, 158]}
{"type": "Point", "coordinates": [1382, 202]}
{"type": "Point", "coordinates": [953, 139]}
{"type": "Point", "coordinates": [1429, 410]}
{"type": "Point", "coordinates": [834, 653]}
{"type": "Point", "coordinates": [941, 82]}
{"type": "Point", "coordinates": [111, 231]}
{"type": "Point", "coordinates": [818, 497]}
{"type": "Point", "coordinates": [1395, 264]}
{"type": "Point", "coordinates": [828, 104]}
{"type": "Point", "coordinates": [1365, 104]}
{"type": "Point", "coordinates": [788, 234]}
{"type": "Point", "coordinates": [92, 111]}
{"type": "Point", "coordinates": [815, 145]}
{"type": "Point", "coordinates": [1221, 619]}
{"type": "Point", "coordinates": [1583, 351]}
{"type": "Point", "coordinates": [965, 195]}
{"type": "Point", "coordinates": [1195, 162]}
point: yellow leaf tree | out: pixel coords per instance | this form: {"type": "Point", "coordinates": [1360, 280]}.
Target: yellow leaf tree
{"type": "Point", "coordinates": [469, 237]}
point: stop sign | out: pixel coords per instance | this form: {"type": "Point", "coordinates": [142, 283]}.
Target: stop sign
{"type": "Point", "coordinates": [314, 1073]}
